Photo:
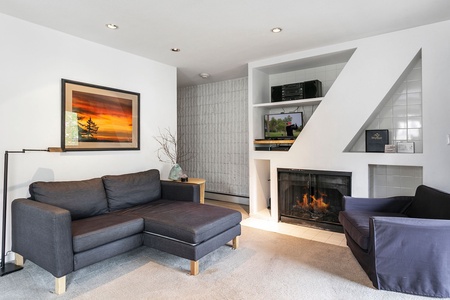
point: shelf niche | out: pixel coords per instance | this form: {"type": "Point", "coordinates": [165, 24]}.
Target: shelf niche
{"type": "Point", "coordinates": [400, 111]}
{"type": "Point", "coordinates": [325, 67]}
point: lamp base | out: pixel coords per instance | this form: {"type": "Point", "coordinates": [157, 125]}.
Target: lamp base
{"type": "Point", "coordinates": [9, 268]}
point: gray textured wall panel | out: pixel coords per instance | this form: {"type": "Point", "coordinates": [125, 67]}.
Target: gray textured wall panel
{"type": "Point", "coordinates": [213, 129]}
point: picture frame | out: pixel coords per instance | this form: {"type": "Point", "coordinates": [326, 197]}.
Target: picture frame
{"type": "Point", "coordinates": [376, 140]}
{"type": "Point", "coordinates": [98, 118]}
{"type": "Point", "coordinates": [405, 147]}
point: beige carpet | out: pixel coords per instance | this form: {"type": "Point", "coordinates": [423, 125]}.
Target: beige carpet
{"type": "Point", "coordinates": [266, 266]}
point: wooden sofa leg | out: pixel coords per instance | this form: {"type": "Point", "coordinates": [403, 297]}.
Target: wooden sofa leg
{"type": "Point", "coordinates": [236, 242]}
{"type": "Point", "coordinates": [19, 260]}
{"type": "Point", "coordinates": [194, 267]}
{"type": "Point", "coordinates": [60, 285]}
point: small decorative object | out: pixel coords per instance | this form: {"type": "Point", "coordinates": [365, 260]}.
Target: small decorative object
{"type": "Point", "coordinates": [98, 118]}
{"type": "Point", "coordinates": [405, 147]}
{"type": "Point", "coordinates": [168, 153]}
{"type": "Point", "coordinates": [389, 149]}
{"type": "Point", "coordinates": [184, 178]}
{"type": "Point", "coordinates": [376, 140]}
{"type": "Point", "coordinates": [176, 172]}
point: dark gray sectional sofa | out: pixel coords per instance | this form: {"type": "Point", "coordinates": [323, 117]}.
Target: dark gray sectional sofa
{"type": "Point", "coordinates": [402, 243]}
{"type": "Point", "coordinates": [65, 226]}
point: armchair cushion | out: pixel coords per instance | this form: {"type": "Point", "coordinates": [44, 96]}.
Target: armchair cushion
{"type": "Point", "coordinates": [128, 190]}
{"type": "Point", "coordinates": [395, 204]}
{"type": "Point", "coordinates": [84, 198]}
{"type": "Point", "coordinates": [356, 224]}
{"type": "Point", "coordinates": [429, 203]}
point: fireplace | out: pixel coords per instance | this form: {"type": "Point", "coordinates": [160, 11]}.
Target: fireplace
{"type": "Point", "coordinates": [312, 197]}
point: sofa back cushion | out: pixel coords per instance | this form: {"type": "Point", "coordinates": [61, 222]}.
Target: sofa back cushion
{"type": "Point", "coordinates": [429, 203]}
{"type": "Point", "coordinates": [84, 198]}
{"type": "Point", "coordinates": [128, 190]}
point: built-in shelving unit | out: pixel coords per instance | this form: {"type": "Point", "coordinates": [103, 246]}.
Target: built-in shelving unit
{"type": "Point", "coordinates": [262, 76]}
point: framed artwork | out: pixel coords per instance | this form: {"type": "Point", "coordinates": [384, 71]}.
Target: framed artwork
{"type": "Point", "coordinates": [98, 118]}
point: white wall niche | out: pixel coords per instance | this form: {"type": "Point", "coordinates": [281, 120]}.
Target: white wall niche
{"type": "Point", "coordinates": [400, 111]}
{"type": "Point", "coordinates": [390, 180]}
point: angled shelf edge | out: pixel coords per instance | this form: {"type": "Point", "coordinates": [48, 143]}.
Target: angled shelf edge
{"type": "Point", "coordinates": [301, 102]}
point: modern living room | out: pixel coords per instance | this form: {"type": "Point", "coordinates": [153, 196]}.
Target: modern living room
{"type": "Point", "coordinates": [382, 66]}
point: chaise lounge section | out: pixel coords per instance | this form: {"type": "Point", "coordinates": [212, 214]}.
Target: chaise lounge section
{"type": "Point", "coordinates": [65, 226]}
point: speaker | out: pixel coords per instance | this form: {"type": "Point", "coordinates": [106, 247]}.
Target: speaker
{"type": "Point", "coordinates": [312, 89]}
{"type": "Point", "coordinates": [277, 93]}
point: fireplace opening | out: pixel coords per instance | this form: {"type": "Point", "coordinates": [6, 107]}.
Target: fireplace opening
{"type": "Point", "coordinates": [312, 197]}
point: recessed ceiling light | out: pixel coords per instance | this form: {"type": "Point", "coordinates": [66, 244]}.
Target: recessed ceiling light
{"type": "Point", "coordinates": [175, 49]}
{"type": "Point", "coordinates": [112, 26]}
{"type": "Point", "coordinates": [204, 75]}
{"type": "Point", "coordinates": [277, 29]}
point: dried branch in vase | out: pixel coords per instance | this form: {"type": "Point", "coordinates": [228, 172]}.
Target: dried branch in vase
{"type": "Point", "coordinates": [168, 151]}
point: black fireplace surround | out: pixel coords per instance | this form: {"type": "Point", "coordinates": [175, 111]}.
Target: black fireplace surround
{"type": "Point", "coordinates": [312, 197]}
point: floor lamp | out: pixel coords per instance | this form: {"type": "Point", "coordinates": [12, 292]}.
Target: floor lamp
{"type": "Point", "coordinates": [7, 268]}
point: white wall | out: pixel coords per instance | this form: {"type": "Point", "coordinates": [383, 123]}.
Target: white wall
{"type": "Point", "coordinates": [367, 78]}
{"type": "Point", "coordinates": [33, 60]}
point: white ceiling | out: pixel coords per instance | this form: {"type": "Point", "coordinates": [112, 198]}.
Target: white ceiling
{"type": "Point", "coordinates": [221, 36]}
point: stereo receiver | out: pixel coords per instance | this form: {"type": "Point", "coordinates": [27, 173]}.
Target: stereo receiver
{"type": "Point", "coordinates": [296, 91]}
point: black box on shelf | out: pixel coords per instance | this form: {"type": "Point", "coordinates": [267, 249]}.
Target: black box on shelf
{"type": "Point", "coordinates": [376, 140]}
{"type": "Point", "coordinates": [296, 91]}
{"type": "Point", "coordinates": [280, 148]}
{"type": "Point", "coordinates": [262, 148]}
{"type": "Point", "coordinates": [293, 91]}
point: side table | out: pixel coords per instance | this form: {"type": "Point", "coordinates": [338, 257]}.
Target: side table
{"type": "Point", "coordinates": [201, 182]}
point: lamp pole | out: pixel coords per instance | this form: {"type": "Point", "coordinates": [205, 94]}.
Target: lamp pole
{"type": "Point", "coordinates": [7, 268]}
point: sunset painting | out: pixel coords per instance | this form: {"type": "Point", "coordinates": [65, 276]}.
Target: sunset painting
{"type": "Point", "coordinates": [102, 118]}
{"type": "Point", "coordinates": [98, 118]}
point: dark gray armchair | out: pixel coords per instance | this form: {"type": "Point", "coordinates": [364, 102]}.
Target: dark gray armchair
{"type": "Point", "coordinates": [402, 243]}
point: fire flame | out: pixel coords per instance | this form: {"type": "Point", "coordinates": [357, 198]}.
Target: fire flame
{"type": "Point", "coordinates": [316, 204]}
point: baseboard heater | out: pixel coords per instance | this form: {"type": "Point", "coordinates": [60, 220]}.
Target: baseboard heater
{"type": "Point", "coordinates": [244, 200]}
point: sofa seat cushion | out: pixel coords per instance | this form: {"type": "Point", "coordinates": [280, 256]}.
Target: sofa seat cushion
{"type": "Point", "coordinates": [92, 232]}
{"type": "Point", "coordinates": [128, 190]}
{"type": "Point", "coordinates": [189, 222]}
{"type": "Point", "coordinates": [356, 224]}
{"type": "Point", "coordinates": [83, 198]}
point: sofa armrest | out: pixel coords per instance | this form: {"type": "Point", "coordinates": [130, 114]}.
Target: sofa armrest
{"type": "Point", "coordinates": [180, 191]}
{"type": "Point", "coordinates": [42, 233]}
{"type": "Point", "coordinates": [411, 255]}
{"type": "Point", "coordinates": [397, 204]}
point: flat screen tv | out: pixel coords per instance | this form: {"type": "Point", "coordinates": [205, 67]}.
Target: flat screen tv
{"type": "Point", "coordinates": [283, 125]}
